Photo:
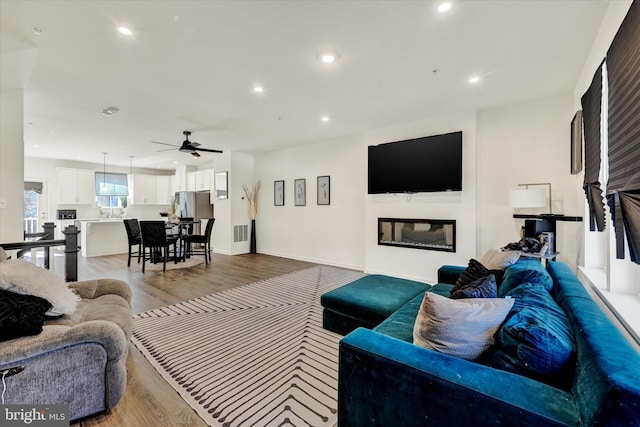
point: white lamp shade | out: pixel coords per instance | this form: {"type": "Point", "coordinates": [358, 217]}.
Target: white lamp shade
{"type": "Point", "coordinates": [530, 198]}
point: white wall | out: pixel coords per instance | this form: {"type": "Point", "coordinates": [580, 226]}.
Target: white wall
{"type": "Point", "coordinates": [330, 234]}
{"type": "Point", "coordinates": [524, 143]}
{"type": "Point", "coordinates": [242, 166]}
{"type": "Point", "coordinates": [220, 237]}
{"type": "Point", "coordinates": [502, 146]}
{"type": "Point", "coordinates": [11, 165]}
{"type": "Point", "coordinates": [420, 264]}
{"type": "Point", "coordinates": [344, 233]}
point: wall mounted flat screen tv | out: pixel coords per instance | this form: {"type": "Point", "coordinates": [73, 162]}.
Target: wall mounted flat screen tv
{"type": "Point", "coordinates": [427, 164]}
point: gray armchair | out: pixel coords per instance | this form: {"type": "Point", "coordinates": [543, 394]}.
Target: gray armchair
{"type": "Point", "coordinates": [77, 359]}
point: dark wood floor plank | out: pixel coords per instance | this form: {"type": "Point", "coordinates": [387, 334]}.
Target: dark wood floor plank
{"type": "Point", "coordinates": [149, 400]}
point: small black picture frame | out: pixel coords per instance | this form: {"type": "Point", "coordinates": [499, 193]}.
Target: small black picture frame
{"type": "Point", "coordinates": [576, 143]}
{"type": "Point", "coordinates": [278, 193]}
{"type": "Point", "coordinates": [300, 192]}
{"type": "Point", "coordinates": [324, 190]}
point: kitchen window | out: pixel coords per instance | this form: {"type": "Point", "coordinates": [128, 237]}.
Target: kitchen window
{"type": "Point", "coordinates": [112, 190]}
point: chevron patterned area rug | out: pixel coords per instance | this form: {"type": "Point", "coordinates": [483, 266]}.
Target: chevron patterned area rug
{"type": "Point", "coordinates": [255, 355]}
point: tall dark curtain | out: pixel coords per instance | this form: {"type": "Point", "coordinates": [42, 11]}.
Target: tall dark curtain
{"type": "Point", "coordinates": [591, 110]}
{"type": "Point", "coordinates": [623, 187]}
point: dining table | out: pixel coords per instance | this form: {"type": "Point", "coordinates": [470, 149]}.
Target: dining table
{"type": "Point", "coordinates": [175, 233]}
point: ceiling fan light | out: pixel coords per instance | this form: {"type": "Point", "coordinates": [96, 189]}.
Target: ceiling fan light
{"type": "Point", "coordinates": [110, 111]}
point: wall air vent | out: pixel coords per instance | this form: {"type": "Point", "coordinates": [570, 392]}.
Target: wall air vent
{"type": "Point", "coordinates": [240, 233]}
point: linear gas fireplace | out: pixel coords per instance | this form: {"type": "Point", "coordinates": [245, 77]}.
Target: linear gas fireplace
{"type": "Point", "coordinates": [432, 234]}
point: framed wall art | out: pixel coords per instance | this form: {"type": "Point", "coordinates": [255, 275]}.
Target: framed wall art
{"type": "Point", "coordinates": [300, 192]}
{"type": "Point", "coordinates": [278, 193]}
{"type": "Point", "coordinates": [324, 190]}
{"type": "Point", "coordinates": [576, 143]}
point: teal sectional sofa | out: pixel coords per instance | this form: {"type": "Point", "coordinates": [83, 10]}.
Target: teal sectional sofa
{"type": "Point", "coordinates": [385, 380]}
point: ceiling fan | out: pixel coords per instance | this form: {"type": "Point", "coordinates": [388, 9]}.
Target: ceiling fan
{"type": "Point", "coordinates": [187, 146]}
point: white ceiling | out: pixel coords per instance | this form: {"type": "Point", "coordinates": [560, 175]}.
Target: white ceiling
{"type": "Point", "coordinates": [191, 65]}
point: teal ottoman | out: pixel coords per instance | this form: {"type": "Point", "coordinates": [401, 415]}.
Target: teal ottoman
{"type": "Point", "coordinates": [366, 302]}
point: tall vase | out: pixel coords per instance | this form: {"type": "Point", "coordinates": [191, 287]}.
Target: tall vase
{"type": "Point", "coordinates": [252, 248]}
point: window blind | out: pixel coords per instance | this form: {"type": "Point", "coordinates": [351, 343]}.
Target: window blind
{"type": "Point", "coordinates": [33, 186]}
{"type": "Point", "coordinates": [623, 186]}
{"type": "Point", "coordinates": [591, 111]}
{"type": "Point", "coordinates": [111, 184]}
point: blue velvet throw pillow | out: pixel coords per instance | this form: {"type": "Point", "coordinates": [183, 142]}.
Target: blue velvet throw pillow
{"type": "Point", "coordinates": [526, 270]}
{"type": "Point", "coordinates": [535, 340]}
{"type": "Point", "coordinates": [485, 287]}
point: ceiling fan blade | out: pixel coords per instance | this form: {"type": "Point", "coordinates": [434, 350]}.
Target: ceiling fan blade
{"type": "Point", "coordinates": [208, 150]}
{"type": "Point", "coordinates": [194, 144]}
{"type": "Point", "coordinates": [195, 154]}
{"type": "Point", "coordinates": [164, 143]}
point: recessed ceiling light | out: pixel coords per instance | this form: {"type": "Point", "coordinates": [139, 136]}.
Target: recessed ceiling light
{"type": "Point", "coordinates": [328, 57]}
{"type": "Point", "coordinates": [444, 7]}
{"type": "Point", "coordinates": [258, 89]}
{"type": "Point", "coordinates": [325, 119]}
{"type": "Point", "coordinates": [36, 146]}
{"type": "Point", "coordinates": [125, 31]}
{"type": "Point", "coordinates": [474, 79]}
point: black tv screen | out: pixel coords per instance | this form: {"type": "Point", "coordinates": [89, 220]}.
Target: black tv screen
{"type": "Point", "coordinates": [428, 164]}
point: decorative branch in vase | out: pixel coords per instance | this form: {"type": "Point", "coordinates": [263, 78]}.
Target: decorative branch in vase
{"type": "Point", "coordinates": [252, 210]}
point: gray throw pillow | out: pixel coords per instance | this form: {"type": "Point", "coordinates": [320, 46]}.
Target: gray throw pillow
{"type": "Point", "coordinates": [462, 328]}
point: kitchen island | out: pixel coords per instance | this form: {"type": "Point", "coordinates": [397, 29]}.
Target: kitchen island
{"type": "Point", "coordinates": [105, 236]}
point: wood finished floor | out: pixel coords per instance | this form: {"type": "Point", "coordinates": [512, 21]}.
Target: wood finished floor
{"type": "Point", "coordinates": [149, 400]}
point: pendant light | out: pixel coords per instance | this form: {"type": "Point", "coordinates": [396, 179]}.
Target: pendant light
{"type": "Point", "coordinates": [103, 189]}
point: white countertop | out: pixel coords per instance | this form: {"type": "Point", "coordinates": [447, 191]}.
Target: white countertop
{"type": "Point", "coordinates": [92, 220]}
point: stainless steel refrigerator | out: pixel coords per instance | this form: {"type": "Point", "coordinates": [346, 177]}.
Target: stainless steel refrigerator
{"type": "Point", "coordinates": [194, 204]}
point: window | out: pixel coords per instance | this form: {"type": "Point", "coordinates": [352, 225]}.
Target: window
{"type": "Point", "coordinates": [111, 184]}
{"type": "Point", "coordinates": [30, 211]}
{"type": "Point", "coordinates": [613, 272]}
{"type": "Point", "coordinates": [112, 190]}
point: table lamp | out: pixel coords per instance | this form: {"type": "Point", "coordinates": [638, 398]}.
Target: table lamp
{"type": "Point", "coordinates": [532, 197]}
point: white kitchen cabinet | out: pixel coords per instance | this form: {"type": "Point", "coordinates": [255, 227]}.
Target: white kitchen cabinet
{"type": "Point", "coordinates": [143, 189]}
{"type": "Point", "coordinates": [174, 185]}
{"type": "Point", "coordinates": [204, 180]}
{"type": "Point", "coordinates": [76, 186]}
{"type": "Point", "coordinates": [180, 180]}
{"type": "Point", "coordinates": [191, 181]}
{"type": "Point", "coordinates": [200, 180]}
{"type": "Point", "coordinates": [165, 190]}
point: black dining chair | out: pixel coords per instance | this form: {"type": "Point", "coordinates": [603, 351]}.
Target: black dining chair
{"type": "Point", "coordinates": [156, 241]}
{"type": "Point", "coordinates": [202, 239]}
{"type": "Point", "coordinates": [135, 238]}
